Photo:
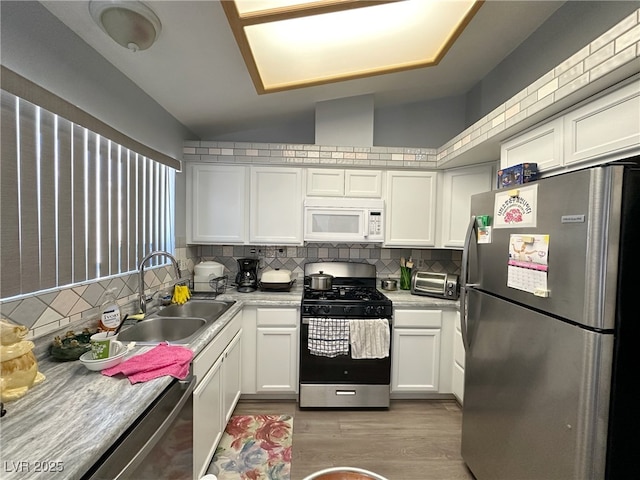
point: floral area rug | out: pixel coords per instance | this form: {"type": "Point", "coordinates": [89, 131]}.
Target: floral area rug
{"type": "Point", "coordinates": [254, 447]}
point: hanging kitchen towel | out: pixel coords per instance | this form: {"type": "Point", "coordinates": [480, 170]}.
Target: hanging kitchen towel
{"type": "Point", "coordinates": [164, 359]}
{"type": "Point", "coordinates": [328, 337]}
{"type": "Point", "coordinates": [370, 338]}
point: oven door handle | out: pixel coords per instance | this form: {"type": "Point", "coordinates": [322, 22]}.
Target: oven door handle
{"type": "Point", "coordinates": [346, 392]}
{"type": "Point", "coordinates": [305, 321]}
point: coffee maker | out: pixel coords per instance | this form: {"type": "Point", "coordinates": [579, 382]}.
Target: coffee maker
{"type": "Point", "coordinates": [247, 278]}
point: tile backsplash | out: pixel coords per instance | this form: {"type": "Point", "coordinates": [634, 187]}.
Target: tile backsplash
{"type": "Point", "coordinates": [46, 312]}
{"type": "Point", "coordinates": [386, 260]}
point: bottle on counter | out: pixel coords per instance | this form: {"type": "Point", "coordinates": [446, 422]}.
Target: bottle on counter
{"type": "Point", "coordinates": [109, 311]}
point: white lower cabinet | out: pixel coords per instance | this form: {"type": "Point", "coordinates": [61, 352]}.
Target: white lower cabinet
{"type": "Point", "coordinates": [457, 381]}
{"type": "Point", "coordinates": [232, 376]}
{"type": "Point", "coordinates": [207, 418]}
{"type": "Point", "coordinates": [276, 370]}
{"type": "Point", "coordinates": [270, 358]}
{"type": "Point", "coordinates": [217, 369]}
{"type": "Point", "coordinates": [415, 360]}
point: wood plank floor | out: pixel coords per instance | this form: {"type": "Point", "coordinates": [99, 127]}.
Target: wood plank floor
{"type": "Point", "coordinates": [413, 440]}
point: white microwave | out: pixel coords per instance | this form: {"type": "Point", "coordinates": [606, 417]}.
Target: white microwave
{"type": "Point", "coordinates": [344, 220]}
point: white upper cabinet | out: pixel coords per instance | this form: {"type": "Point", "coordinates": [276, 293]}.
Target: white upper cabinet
{"type": "Point", "coordinates": [363, 183]}
{"type": "Point", "coordinates": [216, 203]}
{"type": "Point", "coordinates": [276, 206]}
{"type": "Point", "coordinates": [325, 182]}
{"type": "Point", "coordinates": [601, 130]}
{"type": "Point", "coordinates": [459, 185]}
{"type": "Point", "coordinates": [337, 182]}
{"type": "Point", "coordinates": [410, 209]}
{"type": "Point", "coordinates": [541, 145]}
{"type": "Point", "coordinates": [607, 126]}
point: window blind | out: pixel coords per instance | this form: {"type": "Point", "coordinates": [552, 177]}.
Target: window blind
{"type": "Point", "coordinates": [75, 206]}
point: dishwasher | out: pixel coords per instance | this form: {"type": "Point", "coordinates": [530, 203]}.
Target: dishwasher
{"type": "Point", "coordinates": [158, 445]}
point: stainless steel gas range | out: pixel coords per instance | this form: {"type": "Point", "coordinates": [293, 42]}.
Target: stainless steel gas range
{"type": "Point", "coordinates": [334, 371]}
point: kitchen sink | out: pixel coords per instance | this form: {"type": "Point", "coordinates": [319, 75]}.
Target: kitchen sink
{"type": "Point", "coordinates": [198, 309]}
{"type": "Point", "coordinates": [176, 323]}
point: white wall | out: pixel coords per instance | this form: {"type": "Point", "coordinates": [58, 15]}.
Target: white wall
{"type": "Point", "coordinates": [36, 45]}
{"type": "Point", "coordinates": [345, 121]}
{"type": "Point", "coordinates": [424, 124]}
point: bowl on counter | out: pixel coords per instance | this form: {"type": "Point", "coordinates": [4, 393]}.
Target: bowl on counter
{"type": "Point", "coordinates": [96, 365]}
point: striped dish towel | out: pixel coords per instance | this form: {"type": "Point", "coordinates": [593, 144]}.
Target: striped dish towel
{"type": "Point", "coordinates": [328, 337]}
{"type": "Point", "coordinates": [370, 338]}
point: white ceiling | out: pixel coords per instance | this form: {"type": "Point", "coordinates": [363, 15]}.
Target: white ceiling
{"type": "Point", "coordinates": [196, 72]}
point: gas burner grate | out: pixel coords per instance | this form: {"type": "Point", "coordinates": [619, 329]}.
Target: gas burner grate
{"type": "Point", "coordinates": [356, 294]}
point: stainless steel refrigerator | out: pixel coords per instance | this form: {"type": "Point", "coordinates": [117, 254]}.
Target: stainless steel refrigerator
{"type": "Point", "coordinates": [550, 313]}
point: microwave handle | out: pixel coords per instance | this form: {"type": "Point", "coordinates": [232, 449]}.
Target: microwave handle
{"type": "Point", "coordinates": [365, 224]}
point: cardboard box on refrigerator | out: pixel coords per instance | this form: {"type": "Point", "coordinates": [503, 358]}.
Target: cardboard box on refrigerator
{"type": "Point", "coordinates": [517, 175]}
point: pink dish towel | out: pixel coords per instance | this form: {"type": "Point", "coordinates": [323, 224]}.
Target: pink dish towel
{"type": "Point", "coordinates": [161, 360]}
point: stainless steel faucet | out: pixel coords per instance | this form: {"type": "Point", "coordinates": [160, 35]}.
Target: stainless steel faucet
{"type": "Point", "coordinates": [143, 300]}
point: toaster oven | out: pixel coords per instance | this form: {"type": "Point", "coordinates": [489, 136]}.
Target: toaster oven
{"type": "Point", "coordinates": [432, 284]}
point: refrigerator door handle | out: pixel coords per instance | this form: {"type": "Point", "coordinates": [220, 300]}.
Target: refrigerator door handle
{"type": "Point", "coordinates": [471, 229]}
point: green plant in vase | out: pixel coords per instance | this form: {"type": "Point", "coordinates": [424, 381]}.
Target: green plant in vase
{"type": "Point", "coordinates": [405, 273]}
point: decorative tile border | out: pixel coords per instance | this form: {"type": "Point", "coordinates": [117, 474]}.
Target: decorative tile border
{"type": "Point", "coordinates": [292, 154]}
{"type": "Point", "coordinates": [615, 48]}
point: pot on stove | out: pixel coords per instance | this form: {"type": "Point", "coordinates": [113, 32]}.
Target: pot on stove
{"type": "Point", "coordinates": [320, 281]}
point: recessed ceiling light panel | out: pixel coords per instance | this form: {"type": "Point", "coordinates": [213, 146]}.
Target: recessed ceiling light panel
{"type": "Point", "coordinates": [342, 42]}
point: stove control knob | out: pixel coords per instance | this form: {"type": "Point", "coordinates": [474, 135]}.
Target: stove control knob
{"type": "Point", "coordinates": [372, 310]}
{"type": "Point", "coordinates": [325, 309]}
{"type": "Point", "coordinates": [347, 308]}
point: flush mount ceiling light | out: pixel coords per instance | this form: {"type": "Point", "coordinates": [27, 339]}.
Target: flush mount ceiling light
{"type": "Point", "coordinates": [289, 44]}
{"type": "Point", "coordinates": [131, 24]}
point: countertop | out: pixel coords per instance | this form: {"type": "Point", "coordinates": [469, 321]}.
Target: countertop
{"type": "Point", "coordinates": [61, 427]}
